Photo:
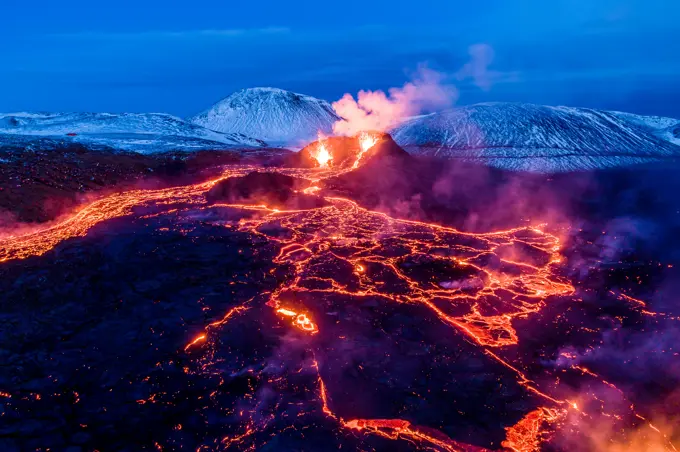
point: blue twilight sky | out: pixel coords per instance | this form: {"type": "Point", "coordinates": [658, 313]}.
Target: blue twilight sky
{"type": "Point", "coordinates": [180, 57]}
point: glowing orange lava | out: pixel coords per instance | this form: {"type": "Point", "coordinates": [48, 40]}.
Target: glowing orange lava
{"type": "Point", "coordinates": [366, 233]}
{"type": "Point", "coordinates": [322, 156]}
{"type": "Point", "coordinates": [401, 429]}
{"type": "Point", "coordinates": [392, 428]}
{"type": "Point", "coordinates": [299, 320]}
{"type": "Point", "coordinates": [472, 297]}
{"type": "Point", "coordinates": [366, 142]}
{"type": "Point", "coordinates": [528, 434]}
{"type": "Point", "coordinates": [112, 206]}
{"type": "Point", "coordinates": [198, 339]}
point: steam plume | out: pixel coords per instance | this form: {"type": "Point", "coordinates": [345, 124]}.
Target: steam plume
{"type": "Point", "coordinates": [375, 110]}
{"type": "Point", "coordinates": [481, 57]}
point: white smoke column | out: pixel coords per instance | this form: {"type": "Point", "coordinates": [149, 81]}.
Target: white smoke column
{"type": "Point", "coordinates": [375, 110]}
{"type": "Point", "coordinates": [481, 57]}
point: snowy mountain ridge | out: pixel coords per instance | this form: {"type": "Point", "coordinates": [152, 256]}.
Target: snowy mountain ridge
{"type": "Point", "coordinates": [537, 138]}
{"type": "Point", "coordinates": [665, 128]}
{"type": "Point", "coordinates": [139, 132]}
{"type": "Point", "coordinates": [515, 136]}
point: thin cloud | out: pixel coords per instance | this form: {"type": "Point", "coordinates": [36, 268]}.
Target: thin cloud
{"type": "Point", "coordinates": [174, 34]}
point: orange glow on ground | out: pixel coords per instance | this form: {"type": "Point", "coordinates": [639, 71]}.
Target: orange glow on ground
{"type": "Point", "coordinates": [200, 338]}
{"type": "Point", "coordinates": [300, 320]}
{"type": "Point", "coordinates": [528, 433]}
{"type": "Point", "coordinates": [487, 300]}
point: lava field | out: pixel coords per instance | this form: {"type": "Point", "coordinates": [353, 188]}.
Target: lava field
{"type": "Point", "coordinates": [264, 310]}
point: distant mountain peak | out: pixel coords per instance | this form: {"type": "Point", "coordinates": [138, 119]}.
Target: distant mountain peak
{"type": "Point", "coordinates": [270, 114]}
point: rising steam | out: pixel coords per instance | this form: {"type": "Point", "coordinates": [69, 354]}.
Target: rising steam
{"type": "Point", "coordinates": [481, 57]}
{"type": "Point", "coordinates": [375, 110]}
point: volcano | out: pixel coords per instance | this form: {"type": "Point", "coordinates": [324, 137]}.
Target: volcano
{"type": "Point", "coordinates": [274, 115]}
{"type": "Point", "coordinates": [347, 153]}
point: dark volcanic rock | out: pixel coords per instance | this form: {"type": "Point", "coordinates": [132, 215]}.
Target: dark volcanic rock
{"type": "Point", "coordinates": [270, 189]}
{"type": "Point", "coordinates": [43, 179]}
{"type": "Point", "coordinates": [386, 148]}
{"type": "Point", "coordinates": [387, 175]}
{"type": "Point", "coordinates": [101, 346]}
{"type": "Point", "coordinates": [92, 335]}
{"type": "Point", "coordinates": [95, 338]}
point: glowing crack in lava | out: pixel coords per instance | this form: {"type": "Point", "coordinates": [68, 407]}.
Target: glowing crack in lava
{"type": "Point", "coordinates": [299, 320]}
{"type": "Point", "coordinates": [113, 206]}
{"type": "Point", "coordinates": [356, 238]}
{"type": "Point", "coordinates": [434, 266]}
{"type": "Point", "coordinates": [392, 428]}
{"type": "Point", "coordinates": [398, 428]}
{"type": "Point", "coordinates": [475, 284]}
{"type": "Point", "coordinates": [525, 436]}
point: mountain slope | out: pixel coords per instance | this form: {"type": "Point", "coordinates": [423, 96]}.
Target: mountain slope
{"type": "Point", "coordinates": [534, 137]}
{"type": "Point", "coordinates": [665, 128]}
{"type": "Point", "coordinates": [270, 114]}
{"type": "Point", "coordinates": [139, 132]}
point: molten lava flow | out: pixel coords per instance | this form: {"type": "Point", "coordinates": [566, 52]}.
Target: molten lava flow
{"type": "Point", "coordinates": [198, 339]}
{"type": "Point", "coordinates": [398, 428]}
{"type": "Point", "coordinates": [112, 206]}
{"type": "Point", "coordinates": [322, 156]}
{"type": "Point", "coordinates": [476, 284]}
{"type": "Point", "coordinates": [204, 336]}
{"type": "Point", "coordinates": [299, 320]}
{"type": "Point", "coordinates": [366, 142]}
{"type": "Point", "coordinates": [519, 293]}
{"type": "Point", "coordinates": [368, 233]}
{"type": "Point", "coordinates": [393, 428]}
{"type": "Point", "coordinates": [227, 316]}
{"type": "Point", "coordinates": [311, 190]}
{"type": "Point", "coordinates": [528, 434]}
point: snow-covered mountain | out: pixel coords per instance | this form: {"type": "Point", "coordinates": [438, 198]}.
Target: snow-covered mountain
{"type": "Point", "coordinates": [270, 114]}
{"type": "Point", "coordinates": [506, 135]}
{"type": "Point", "coordinates": [138, 132]}
{"type": "Point", "coordinates": [665, 128]}
{"type": "Point", "coordinates": [540, 138]}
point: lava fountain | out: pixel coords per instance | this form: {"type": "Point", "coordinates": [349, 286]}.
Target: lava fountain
{"type": "Point", "coordinates": [341, 153]}
{"type": "Point", "coordinates": [366, 142]}
{"type": "Point", "coordinates": [323, 157]}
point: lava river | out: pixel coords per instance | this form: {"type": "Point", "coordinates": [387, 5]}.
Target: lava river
{"type": "Point", "coordinates": [424, 299]}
